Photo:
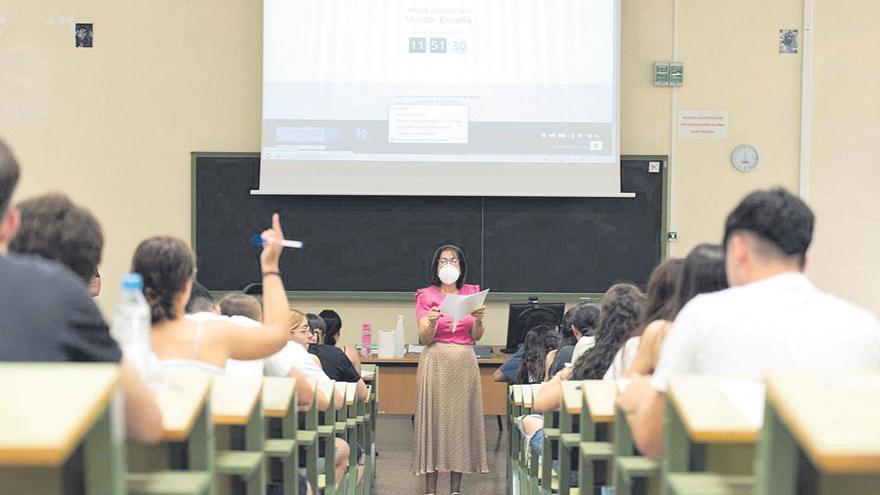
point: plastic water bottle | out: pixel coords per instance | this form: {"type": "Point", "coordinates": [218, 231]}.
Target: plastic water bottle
{"type": "Point", "coordinates": [131, 323]}
{"type": "Point", "coordinates": [366, 339]}
{"type": "Point", "coordinates": [399, 345]}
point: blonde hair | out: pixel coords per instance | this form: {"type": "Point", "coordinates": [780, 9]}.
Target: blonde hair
{"type": "Point", "coordinates": [296, 317]}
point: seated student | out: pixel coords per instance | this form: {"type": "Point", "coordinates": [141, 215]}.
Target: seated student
{"type": "Point", "coordinates": [532, 318]}
{"type": "Point", "coordinates": [201, 308]}
{"type": "Point", "coordinates": [621, 308]}
{"type": "Point", "coordinates": [200, 300]}
{"type": "Point", "coordinates": [659, 307]}
{"type": "Point", "coordinates": [333, 361]}
{"type": "Point", "coordinates": [772, 316]}
{"type": "Point", "coordinates": [539, 341]}
{"type": "Point", "coordinates": [166, 265]}
{"type": "Point", "coordinates": [336, 364]}
{"type": "Point", "coordinates": [54, 228]}
{"type": "Point", "coordinates": [240, 304]}
{"type": "Point", "coordinates": [578, 328]}
{"type": "Point", "coordinates": [702, 272]}
{"type": "Point", "coordinates": [48, 315]}
{"type": "Point", "coordinates": [333, 322]}
{"type": "Point", "coordinates": [310, 364]}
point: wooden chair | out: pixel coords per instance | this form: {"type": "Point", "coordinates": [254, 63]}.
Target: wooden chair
{"type": "Point", "coordinates": [279, 405]}
{"type": "Point", "coordinates": [307, 437]}
{"type": "Point", "coordinates": [699, 416]}
{"type": "Point", "coordinates": [327, 437]}
{"type": "Point", "coordinates": [370, 374]}
{"type": "Point", "coordinates": [50, 410]}
{"type": "Point", "coordinates": [186, 449]}
{"type": "Point", "coordinates": [236, 405]}
{"type": "Point", "coordinates": [828, 419]}
{"type": "Point", "coordinates": [596, 421]}
{"type": "Point", "coordinates": [632, 471]}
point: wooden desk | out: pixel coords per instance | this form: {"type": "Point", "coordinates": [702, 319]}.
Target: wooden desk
{"type": "Point", "coordinates": [599, 395]}
{"type": "Point", "coordinates": [185, 455]}
{"type": "Point", "coordinates": [397, 382]}
{"type": "Point", "coordinates": [234, 398]}
{"type": "Point", "coordinates": [50, 409]}
{"type": "Point", "coordinates": [699, 413]}
{"type": "Point", "coordinates": [181, 397]}
{"type": "Point", "coordinates": [830, 418]}
{"type": "Point", "coordinates": [278, 395]}
{"type": "Point", "coordinates": [236, 402]}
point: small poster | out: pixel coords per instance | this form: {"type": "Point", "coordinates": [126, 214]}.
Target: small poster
{"type": "Point", "coordinates": [708, 125]}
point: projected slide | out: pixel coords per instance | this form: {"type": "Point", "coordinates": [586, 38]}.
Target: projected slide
{"type": "Point", "coordinates": [397, 91]}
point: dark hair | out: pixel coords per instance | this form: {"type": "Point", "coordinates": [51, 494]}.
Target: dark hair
{"type": "Point", "coordinates": [583, 316]}
{"type": "Point", "coordinates": [663, 289]}
{"type": "Point", "coordinates": [334, 326]}
{"type": "Point", "coordinates": [703, 272]}
{"type": "Point", "coordinates": [462, 265]}
{"type": "Point", "coordinates": [316, 323]}
{"type": "Point", "coordinates": [166, 263]}
{"type": "Point", "coordinates": [200, 299]}
{"type": "Point", "coordinates": [539, 341]}
{"type": "Point", "coordinates": [240, 304]}
{"type": "Point", "coordinates": [538, 315]}
{"type": "Point", "coordinates": [622, 307]}
{"type": "Point", "coordinates": [776, 216]}
{"type": "Point", "coordinates": [54, 228]}
{"type": "Point", "coordinates": [9, 174]}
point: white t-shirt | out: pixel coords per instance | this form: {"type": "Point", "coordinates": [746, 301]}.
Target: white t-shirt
{"type": "Point", "coordinates": [292, 355]}
{"type": "Point", "coordinates": [782, 322]}
{"type": "Point", "coordinates": [622, 359]}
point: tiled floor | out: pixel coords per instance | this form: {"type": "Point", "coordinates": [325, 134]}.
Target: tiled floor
{"type": "Point", "coordinates": [394, 441]}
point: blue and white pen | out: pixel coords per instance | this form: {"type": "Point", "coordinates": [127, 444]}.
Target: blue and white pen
{"type": "Point", "coordinates": [256, 240]}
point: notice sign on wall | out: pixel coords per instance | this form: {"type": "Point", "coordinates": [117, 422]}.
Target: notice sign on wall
{"type": "Point", "coordinates": [708, 125]}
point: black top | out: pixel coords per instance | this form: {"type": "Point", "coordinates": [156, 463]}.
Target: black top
{"type": "Point", "coordinates": [48, 315]}
{"type": "Point", "coordinates": [562, 356]}
{"type": "Point", "coordinates": [335, 363]}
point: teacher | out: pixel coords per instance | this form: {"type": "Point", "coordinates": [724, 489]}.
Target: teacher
{"type": "Point", "coordinates": [449, 429]}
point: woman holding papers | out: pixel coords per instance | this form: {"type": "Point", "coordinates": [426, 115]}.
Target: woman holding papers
{"type": "Point", "coordinates": [449, 428]}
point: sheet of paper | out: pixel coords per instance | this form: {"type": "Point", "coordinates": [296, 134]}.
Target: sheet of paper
{"type": "Point", "coordinates": [457, 307]}
{"type": "Point", "coordinates": [748, 398]}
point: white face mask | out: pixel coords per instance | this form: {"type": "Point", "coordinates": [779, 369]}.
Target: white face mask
{"type": "Point", "coordinates": [448, 274]}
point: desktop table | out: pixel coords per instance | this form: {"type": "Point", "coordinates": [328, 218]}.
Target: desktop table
{"type": "Point", "coordinates": [397, 381]}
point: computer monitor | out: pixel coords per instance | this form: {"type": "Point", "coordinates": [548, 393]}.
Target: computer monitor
{"type": "Point", "coordinates": [519, 313]}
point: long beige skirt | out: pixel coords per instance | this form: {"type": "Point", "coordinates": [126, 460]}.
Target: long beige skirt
{"type": "Point", "coordinates": [450, 433]}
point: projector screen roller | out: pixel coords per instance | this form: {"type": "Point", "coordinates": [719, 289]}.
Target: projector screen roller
{"type": "Point", "coordinates": [441, 98]}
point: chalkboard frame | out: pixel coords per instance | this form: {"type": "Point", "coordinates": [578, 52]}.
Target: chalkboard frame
{"type": "Point", "coordinates": [495, 297]}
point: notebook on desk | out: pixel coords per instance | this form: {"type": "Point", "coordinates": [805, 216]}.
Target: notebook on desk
{"type": "Point", "coordinates": [482, 351]}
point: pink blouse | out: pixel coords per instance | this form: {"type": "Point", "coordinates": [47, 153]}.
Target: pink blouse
{"type": "Point", "coordinates": [432, 296]}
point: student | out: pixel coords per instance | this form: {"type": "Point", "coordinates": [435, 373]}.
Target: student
{"type": "Point", "coordinates": [54, 228]}
{"type": "Point", "coordinates": [297, 347]}
{"type": "Point", "coordinates": [332, 333]}
{"type": "Point", "coordinates": [621, 308]}
{"type": "Point", "coordinates": [660, 307]}
{"type": "Point", "coordinates": [48, 315]}
{"type": "Point", "coordinates": [333, 361]}
{"type": "Point", "coordinates": [318, 327]}
{"type": "Point", "coordinates": [539, 341]}
{"type": "Point", "coordinates": [166, 265]}
{"type": "Point", "coordinates": [701, 272]}
{"type": "Point", "coordinates": [772, 317]}
{"type": "Point", "coordinates": [532, 318]}
{"type": "Point", "coordinates": [578, 328]}
{"type": "Point", "coordinates": [242, 305]}
{"type": "Point", "coordinates": [200, 300]}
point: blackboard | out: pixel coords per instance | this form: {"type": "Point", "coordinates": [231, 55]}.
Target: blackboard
{"type": "Point", "coordinates": [384, 243]}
